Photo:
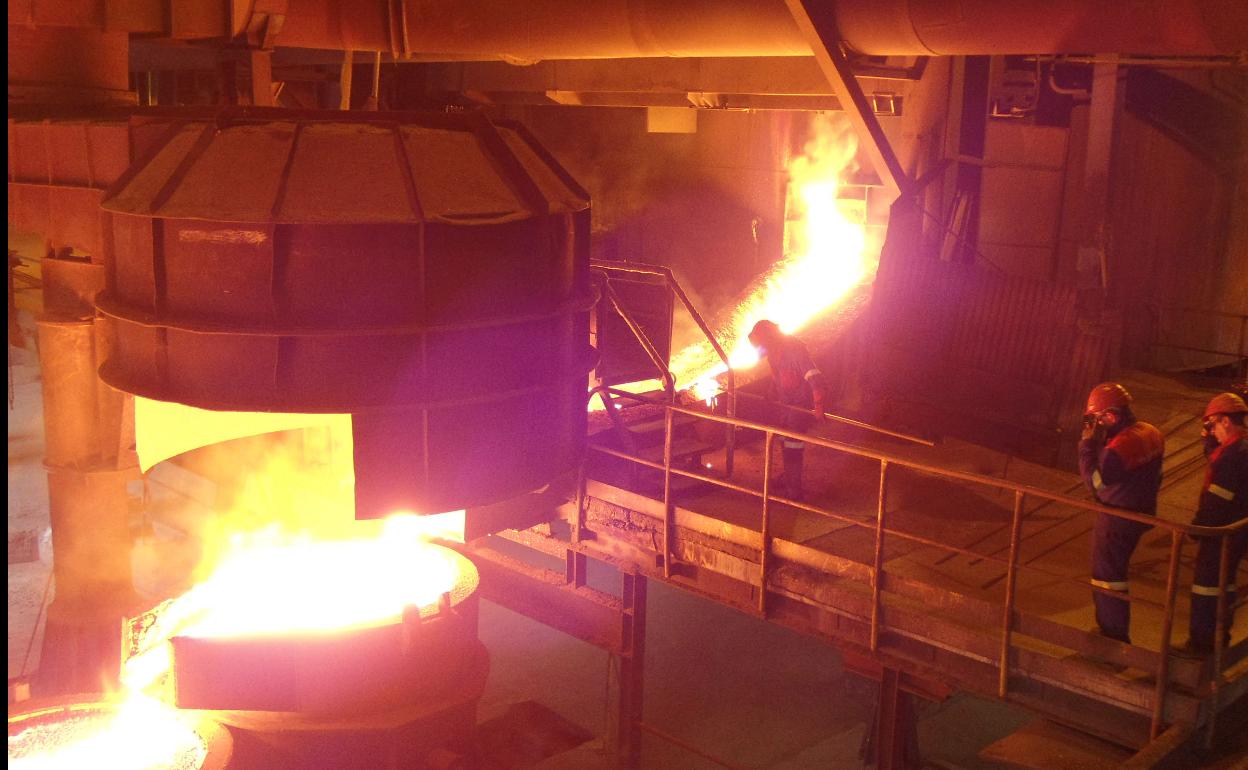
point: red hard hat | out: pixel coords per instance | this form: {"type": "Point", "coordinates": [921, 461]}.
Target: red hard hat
{"type": "Point", "coordinates": [1107, 395]}
{"type": "Point", "coordinates": [1224, 403]}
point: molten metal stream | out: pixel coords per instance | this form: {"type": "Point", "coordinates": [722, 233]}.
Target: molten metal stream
{"type": "Point", "coordinates": [826, 257]}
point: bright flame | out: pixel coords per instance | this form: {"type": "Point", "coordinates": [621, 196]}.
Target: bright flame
{"type": "Point", "coordinates": [274, 582]}
{"type": "Point", "coordinates": [825, 257]}
{"type": "Point", "coordinates": [288, 556]}
{"type": "Point", "coordinates": [141, 734]}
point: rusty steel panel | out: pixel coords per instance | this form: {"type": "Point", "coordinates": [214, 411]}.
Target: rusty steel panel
{"type": "Point", "coordinates": [70, 286]}
{"type": "Point", "coordinates": [75, 219]}
{"type": "Point", "coordinates": [29, 207]}
{"type": "Point", "coordinates": [1019, 337]}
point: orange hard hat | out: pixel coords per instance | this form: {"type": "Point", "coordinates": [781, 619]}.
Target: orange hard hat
{"type": "Point", "coordinates": [1224, 403]}
{"type": "Point", "coordinates": [1107, 395]}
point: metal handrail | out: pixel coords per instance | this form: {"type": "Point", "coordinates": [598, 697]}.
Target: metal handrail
{"type": "Point", "coordinates": [669, 382]}
{"type": "Point", "coordinates": [669, 280]}
{"type": "Point", "coordinates": [1178, 533]}
{"type": "Point", "coordinates": [849, 421]}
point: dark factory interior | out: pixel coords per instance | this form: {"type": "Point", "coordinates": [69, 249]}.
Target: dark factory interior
{"type": "Point", "coordinates": [488, 384]}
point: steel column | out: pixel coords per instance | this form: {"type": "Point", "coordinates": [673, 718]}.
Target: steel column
{"type": "Point", "coordinates": [632, 670]}
{"type": "Point", "coordinates": [893, 732]}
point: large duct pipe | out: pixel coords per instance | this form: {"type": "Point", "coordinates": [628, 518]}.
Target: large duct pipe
{"type": "Point", "coordinates": [596, 29]}
{"type": "Point", "coordinates": [951, 27]}
{"type": "Point", "coordinates": [575, 29]}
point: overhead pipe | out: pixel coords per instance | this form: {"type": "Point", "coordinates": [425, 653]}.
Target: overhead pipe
{"type": "Point", "coordinates": [575, 29]}
{"type": "Point", "coordinates": [595, 29]}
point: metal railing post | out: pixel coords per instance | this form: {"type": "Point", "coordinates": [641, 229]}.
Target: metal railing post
{"type": "Point", "coordinates": [1011, 578]}
{"type": "Point", "coordinates": [730, 430]}
{"type": "Point", "coordinates": [877, 563]}
{"type": "Point", "coordinates": [765, 533]}
{"type": "Point", "coordinates": [1167, 626]}
{"type": "Point", "coordinates": [578, 523]}
{"type": "Point", "coordinates": [668, 506]}
{"type": "Point", "coordinates": [1219, 632]}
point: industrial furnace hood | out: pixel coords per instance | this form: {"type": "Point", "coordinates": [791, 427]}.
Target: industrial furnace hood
{"type": "Point", "coordinates": [426, 273]}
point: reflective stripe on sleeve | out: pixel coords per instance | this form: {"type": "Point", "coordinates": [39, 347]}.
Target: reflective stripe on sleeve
{"type": "Point", "coordinates": [810, 373]}
{"type": "Point", "coordinates": [793, 444]}
{"type": "Point", "coordinates": [1205, 590]}
{"type": "Point", "coordinates": [1113, 585]}
{"type": "Point", "coordinates": [1221, 492]}
{"type": "Point", "coordinates": [1097, 481]}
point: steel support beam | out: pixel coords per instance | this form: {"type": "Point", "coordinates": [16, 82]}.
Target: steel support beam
{"type": "Point", "coordinates": [544, 595]}
{"type": "Point", "coordinates": [817, 25]}
{"type": "Point", "coordinates": [1094, 236]}
{"type": "Point", "coordinates": [891, 742]}
{"type": "Point", "coordinates": [632, 671]}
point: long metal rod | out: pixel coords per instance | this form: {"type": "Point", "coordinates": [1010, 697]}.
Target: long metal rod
{"type": "Point", "coordinates": [877, 561]}
{"type": "Point", "coordinates": [1219, 631]}
{"type": "Point", "coordinates": [988, 481]}
{"type": "Point", "coordinates": [1011, 577]}
{"type": "Point", "coordinates": [1167, 626]}
{"type": "Point", "coordinates": [855, 423]}
{"type": "Point", "coordinates": [669, 506]}
{"type": "Point", "coordinates": [764, 555]}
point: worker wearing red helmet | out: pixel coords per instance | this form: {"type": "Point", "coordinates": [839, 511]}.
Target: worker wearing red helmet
{"type": "Point", "coordinates": [1120, 461]}
{"type": "Point", "coordinates": [796, 382]}
{"type": "Point", "coordinates": [1223, 501]}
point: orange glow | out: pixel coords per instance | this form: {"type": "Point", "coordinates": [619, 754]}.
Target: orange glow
{"type": "Point", "coordinates": [140, 734]}
{"type": "Point", "coordinates": [272, 581]}
{"type": "Point", "coordinates": [825, 257]}
{"type": "Point", "coordinates": [288, 556]}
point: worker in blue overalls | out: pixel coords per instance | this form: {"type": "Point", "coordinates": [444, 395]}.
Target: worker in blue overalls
{"type": "Point", "coordinates": [1223, 501]}
{"type": "Point", "coordinates": [1120, 461]}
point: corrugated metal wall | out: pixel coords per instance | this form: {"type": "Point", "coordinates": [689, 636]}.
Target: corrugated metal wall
{"type": "Point", "coordinates": [986, 346]}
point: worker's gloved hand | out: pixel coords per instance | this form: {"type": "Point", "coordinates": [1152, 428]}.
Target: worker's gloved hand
{"type": "Point", "coordinates": [820, 415]}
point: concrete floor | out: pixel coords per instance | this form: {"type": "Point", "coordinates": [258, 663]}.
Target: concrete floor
{"type": "Point", "coordinates": [754, 694]}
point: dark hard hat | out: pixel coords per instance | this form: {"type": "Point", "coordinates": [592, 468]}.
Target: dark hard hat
{"type": "Point", "coordinates": [763, 330]}
{"type": "Point", "coordinates": [1107, 395]}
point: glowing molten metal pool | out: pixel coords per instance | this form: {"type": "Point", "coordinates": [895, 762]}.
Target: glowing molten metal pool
{"type": "Point", "coordinates": [136, 733]}
{"type": "Point", "coordinates": [275, 588]}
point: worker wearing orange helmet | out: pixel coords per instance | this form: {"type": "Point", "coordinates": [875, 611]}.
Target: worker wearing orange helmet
{"type": "Point", "coordinates": [796, 382]}
{"type": "Point", "coordinates": [1223, 501]}
{"type": "Point", "coordinates": [1120, 461]}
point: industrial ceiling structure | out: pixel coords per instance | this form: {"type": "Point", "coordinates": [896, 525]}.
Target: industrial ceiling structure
{"type": "Point", "coordinates": [451, 225]}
